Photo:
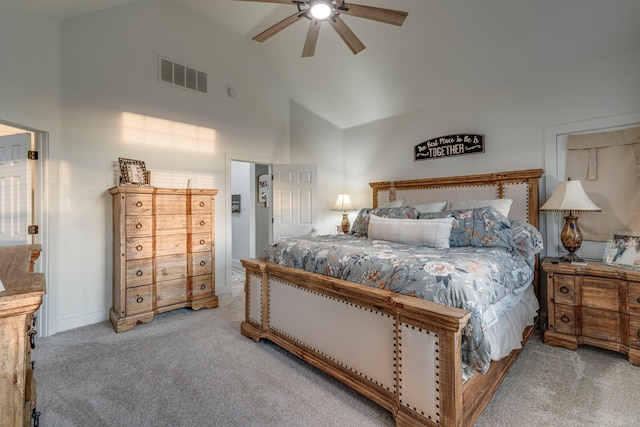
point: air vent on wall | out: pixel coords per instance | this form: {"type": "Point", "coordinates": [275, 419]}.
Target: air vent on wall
{"type": "Point", "coordinates": [182, 75]}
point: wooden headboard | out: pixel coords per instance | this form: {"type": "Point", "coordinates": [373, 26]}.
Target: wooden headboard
{"type": "Point", "coordinates": [522, 186]}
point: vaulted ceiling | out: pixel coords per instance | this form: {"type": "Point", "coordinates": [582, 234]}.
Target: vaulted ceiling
{"type": "Point", "coordinates": [446, 49]}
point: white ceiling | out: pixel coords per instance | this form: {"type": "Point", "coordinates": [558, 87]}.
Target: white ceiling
{"type": "Point", "coordinates": [446, 49]}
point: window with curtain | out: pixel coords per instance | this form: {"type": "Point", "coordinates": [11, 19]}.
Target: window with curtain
{"type": "Point", "coordinates": [608, 165]}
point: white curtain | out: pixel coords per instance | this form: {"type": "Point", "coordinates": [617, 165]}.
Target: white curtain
{"type": "Point", "coordinates": [608, 165]}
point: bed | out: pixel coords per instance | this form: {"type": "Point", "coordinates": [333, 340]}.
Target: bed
{"type": "Point", "coordinates": [415, 357]}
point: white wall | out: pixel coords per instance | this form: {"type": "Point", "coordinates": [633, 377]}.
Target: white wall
{"type": "Point", "coordinates": [108, 72]}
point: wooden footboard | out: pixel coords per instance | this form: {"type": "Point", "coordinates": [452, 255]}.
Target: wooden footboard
{"type": "Point", "coordinates": [401, 352]}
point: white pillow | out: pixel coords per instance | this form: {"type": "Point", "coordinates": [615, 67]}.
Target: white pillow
{"type": "Point", "coordinates": [432, 207]}
{"type": "Point", "coordinates": [395, 204]}
{"type": "Point", "coordinates": [501, 205]}
{"type": "Point", "coordinates": [425, 232]}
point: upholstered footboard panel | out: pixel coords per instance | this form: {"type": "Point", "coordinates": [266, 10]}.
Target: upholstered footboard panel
{"type": "Point", "coordinates": [401, 352]}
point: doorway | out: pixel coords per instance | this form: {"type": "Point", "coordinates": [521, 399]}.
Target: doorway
{"type": "Point", "coordinates": [251, 209]}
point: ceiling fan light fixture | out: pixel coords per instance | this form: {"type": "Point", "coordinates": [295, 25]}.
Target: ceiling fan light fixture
{"type": "Point", "coordinates": [320, 9]}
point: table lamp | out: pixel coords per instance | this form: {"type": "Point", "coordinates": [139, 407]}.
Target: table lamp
{"type": "Point", "coordinates": [344, 204]}
{"type": "Point", "coordinates": [570, 196]}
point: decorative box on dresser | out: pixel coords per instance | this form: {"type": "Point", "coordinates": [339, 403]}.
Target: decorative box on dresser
{"type": "Point", "coordinates": [18, 303]}
{"type": "Point", "coordinates": [596, 304]}
{"type": "Point", "coordinates": [163, 252]}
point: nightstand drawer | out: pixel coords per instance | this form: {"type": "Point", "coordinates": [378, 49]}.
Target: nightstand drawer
{"type": "Point", "coordinates": [564, 289]}
{"type": "Point", "coordinates": [600, 293]}
{"type": "Point", "coordinates": [565, 319]}
{"type": "Point", "coordinates": [634, 332]}
{"type": "Point", "coordinates": [601, 324]}
{"type": "Point", "coordinates": [634, 298]}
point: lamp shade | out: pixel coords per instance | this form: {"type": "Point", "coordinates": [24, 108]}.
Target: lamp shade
{"type": "Point", "coordinates": [570, 196]}
{"type": "Point", "coordinates": [343, 203]}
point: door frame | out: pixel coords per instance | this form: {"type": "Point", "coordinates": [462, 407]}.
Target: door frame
{"type": "Point", "coordinates": [238, 157]}
{"type": "Point", "coordinates": [40, 213]}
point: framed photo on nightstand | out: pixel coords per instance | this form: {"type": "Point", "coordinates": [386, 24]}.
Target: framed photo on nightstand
{"type": "Point", "coordinates": [623, 250]}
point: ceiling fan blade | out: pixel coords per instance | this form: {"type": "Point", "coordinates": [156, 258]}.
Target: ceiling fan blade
{"type": "Point", "coordinates": [272, 31]}
{"type": "Point", "coordinates": [388, 16]}
{"type": "Point", "coordinates": [345, 33]}
{"type": "Point", "coordinates": [276, 1]}
{"type": "Point", "coordinates": [312, 39]}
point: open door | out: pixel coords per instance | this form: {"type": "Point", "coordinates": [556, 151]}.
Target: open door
{"type": "Point", "coordinates": [15, 189]}
{"type": "Point", "coordinates": [294, 200]}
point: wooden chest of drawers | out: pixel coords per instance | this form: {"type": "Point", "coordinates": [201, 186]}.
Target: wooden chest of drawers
{"type": "Point", "coordinates": [163, 252]}
{"type": "Point", "coordinates": [19, 301]}
{"type": "Point", "coordinates": [595, 304]}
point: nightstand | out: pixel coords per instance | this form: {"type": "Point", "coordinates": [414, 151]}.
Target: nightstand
{"type": "Point", "coordinates": [596, 304]}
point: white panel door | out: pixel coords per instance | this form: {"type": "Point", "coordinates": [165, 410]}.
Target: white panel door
{"type": "Point", "coordinates": [15, 189]}
{"type": "Point", "coordinates": [294, 200]}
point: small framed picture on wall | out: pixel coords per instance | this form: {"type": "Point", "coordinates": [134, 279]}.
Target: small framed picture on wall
{"type": "Point", "coordinates": [235, 203]}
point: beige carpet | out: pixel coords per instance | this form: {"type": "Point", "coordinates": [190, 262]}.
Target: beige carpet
{"type": "Point", "coordinates": [193, 368]}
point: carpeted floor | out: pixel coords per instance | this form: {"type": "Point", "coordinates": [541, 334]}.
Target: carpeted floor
{"type": "Point", "coordinates": [189, 368]}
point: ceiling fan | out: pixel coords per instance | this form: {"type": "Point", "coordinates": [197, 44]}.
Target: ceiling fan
{"type": "Point", "coordinates": [319, 11]}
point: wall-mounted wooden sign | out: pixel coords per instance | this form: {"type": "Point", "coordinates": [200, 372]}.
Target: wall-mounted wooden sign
{"type": "Point", "coordinates": [450, 145]}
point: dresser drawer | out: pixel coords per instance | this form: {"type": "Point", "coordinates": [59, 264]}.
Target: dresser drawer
{"type": "Point", "coordinates": [201, 286]}
{"type": "Point", "coordinates": [171, 204]}
{"type": "Point", "coordinates": [601, 324]}
{"type": "Point", "coordinates": [171, 267]}
{"type": "Point", "coordinates": [201, 223]}
{"type": "Point", "coordinates": [564, 289]}
{"type": "Point", "coordinates": [171, 292]}
{"type": "Point", "coordinates": [600, 293]}
{"type": "Point", "coordinates": [200, 263]}
{"type": "Point", "coordinates": [138, 204]}
{"type": "Point", "coordinates": [171, 224]}
{"type": "Point", "coordinates": [139, 272]}
{"type": "Point", "coordinates": [200, 242]}
{"type": "Point", "coordinates": [634, 298]}
{"type": "Point", "coordinates": [634, 332]}
{"type": "Point", "coordinates": [201, 204]}
{"type": "Point", "coordinates": [138, 247]}
{"type": "Point", "coordinates": [139, 226]}
{"type": "Point", "coordinates": [139, 300]}
{"type": "Point", "coordinates": [171, 244]}
{"type": "Point", "coordinates": [565, 319]}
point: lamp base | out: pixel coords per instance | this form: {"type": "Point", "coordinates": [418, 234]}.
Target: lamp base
{"type": "Point", "coordinates": [345, 223]}
{"type": "Point", "coordinates": [572, 258]}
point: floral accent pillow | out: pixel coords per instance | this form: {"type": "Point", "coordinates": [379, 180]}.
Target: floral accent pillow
{"type": "Point", "coordinates": [480, 227]}
{"type": "Point", "coordinates": [361, 224]}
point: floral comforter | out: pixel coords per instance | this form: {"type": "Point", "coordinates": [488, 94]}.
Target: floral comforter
{"type": "Point", "coordinates": [471, 278]}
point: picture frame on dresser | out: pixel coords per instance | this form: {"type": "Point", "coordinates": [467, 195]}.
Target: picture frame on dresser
{"type": "Point", "coordinates": [133, 172]}
{"type": "Point", "coordinates": [623, 250]}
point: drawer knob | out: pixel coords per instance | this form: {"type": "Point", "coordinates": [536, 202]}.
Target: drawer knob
{"type": "Point", "coordinates": [202, 242]}
{"type": "Point", "coordinates": [36, 417]}
{"type": "Point", "coordinates": [139, 204]}
{"type": "Point", "coordinates": [202, 223]}
{"type": "Point", "coordinates": [638, 300]}
{"type": "Point", "coordinates": [139, 273]}
{"type": "Point", "coordinates": [564, 290]}
{"type": "Point", "coordinates": [32, 339]}
{"type": "Point", "coordinates": [33, 365]}
{"type": "Point", "coordinates": [139, 247]}
{"type": "Point", "coordinates": [202, 263]}
{"type": "Point", "coordinates": [203, 287]}
{"type": "Point", "coordinates": [138, 226]}
{"type": "Point", "coordinates": [638, 333]}
{"type": "Point", "coordinates": [202, 204]}
{"type": "Point", "coordinates": [565, 318]}
{"type": "Point", "coordinates": [139, 300]}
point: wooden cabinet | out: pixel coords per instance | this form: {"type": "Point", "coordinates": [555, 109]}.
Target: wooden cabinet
{"type": "Point", "coordinates": [596, 304]}
{"type": "Point", "coordinates": [163, 252]}
{"type": "Point", "coordinates": [18, 303]}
